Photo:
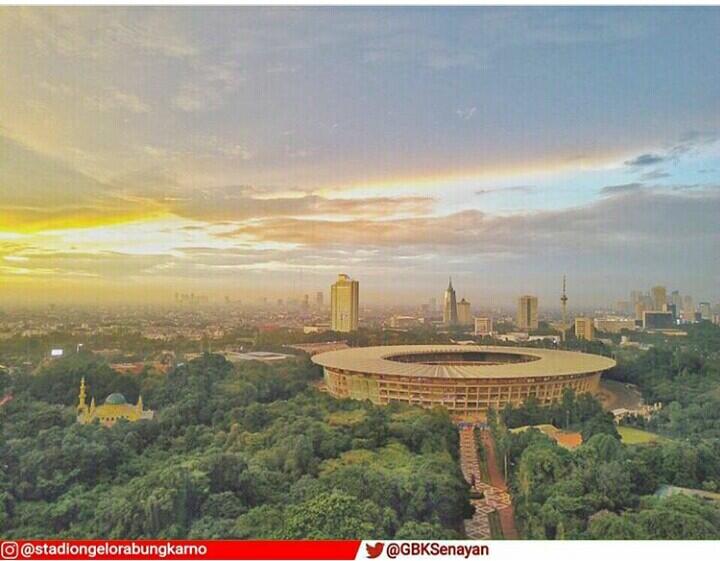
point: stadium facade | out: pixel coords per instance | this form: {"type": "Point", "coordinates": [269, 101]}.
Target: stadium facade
{"type": "Point", "coordinates": [465, 379]}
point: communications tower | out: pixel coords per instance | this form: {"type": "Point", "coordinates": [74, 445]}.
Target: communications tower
{"type": "Point", "coordinates": [563, 302]}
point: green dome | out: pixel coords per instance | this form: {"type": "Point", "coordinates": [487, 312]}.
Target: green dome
{"type": "Point", "coordinates": [115, 399]}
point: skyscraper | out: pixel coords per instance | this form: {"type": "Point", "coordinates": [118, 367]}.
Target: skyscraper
{"type": "Point", "coordinates": [527, 316]}
{"type": "Point", "coordinates": [319, 299]}
{"type": "Point", "coordinates": [688, 308]}
{"type": "Point", "coordinates": [659, 298]}
{"type": "Point", "coordinates": [450, 312]}
{"type": "Point", "coordinates": [676, 299]}
{"type": "Point", "coordinates": [344, 304]}
{"type": "Point", "coordinates": [463, 312]}
{"type": "Point", "coordinates": [705, 310]}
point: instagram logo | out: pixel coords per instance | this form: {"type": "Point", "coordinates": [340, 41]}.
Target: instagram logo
{"type": "Point", "coordinates": [9, 550]}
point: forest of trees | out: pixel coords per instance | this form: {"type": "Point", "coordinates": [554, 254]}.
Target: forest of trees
{"type": "Point", "coordinates": [249, 451]}
{"type": "Point", "coordinates": [683, 375]}
{"type": "Point", "coordinates": [254, 451]}
{"type": "Point", "coordinates": [605, 489]}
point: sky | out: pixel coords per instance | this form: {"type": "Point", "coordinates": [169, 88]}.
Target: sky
{"type": "Point", "coordinates": [257, 152]}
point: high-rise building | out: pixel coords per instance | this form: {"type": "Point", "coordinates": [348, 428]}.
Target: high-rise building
{"type": "Point", "coordinates": [433, 305]}
{"type": "Point", "coordinates": [344, 304]}
{"type": "Point", "coordinates": [584, 329]}
{"type": "Point", "coordinates": [319, 299]}
{"type": "Point", "coordinates": [527, 316]}
{"type": "Point", "coordinates": [640, 308]}
{"type": "Point", "coordinates": [688, 308]}
{"type": "Point", "coordinates": [450, 311]}
{"type": "Point", "coordinates": [676, 299]}
{"type": "Point", "coordinates": [622, 307]}
{"type": "Point", "coordinates": [659, 298]}
{"type": "Point", "coordinates": [306, 302]}
{"type": "Point", "coordinates": [463, 312]}
{"type": "Point", "coordinates": [705, 310]}
{"type": "Point", "coordinates": [483, 326]}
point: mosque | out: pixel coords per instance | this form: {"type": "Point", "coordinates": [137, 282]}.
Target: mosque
{"type": "Point", "coordinates": [114, 408]}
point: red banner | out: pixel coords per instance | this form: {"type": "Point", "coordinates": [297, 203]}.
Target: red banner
{"type": "Point", "coordinates": [178, 550]}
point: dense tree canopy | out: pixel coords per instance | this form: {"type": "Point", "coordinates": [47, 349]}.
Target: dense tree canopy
{"type": "Point", "coordinates": [605, 489]}
{"type": "Point", "coordinates": [249, 451]}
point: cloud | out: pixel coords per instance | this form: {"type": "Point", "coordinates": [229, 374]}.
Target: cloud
{"type": "Point", "coordinates": [527, 189]}
{"type": "Point", "coordinates": [35, 260]}
{"type": "Point", "coordinates": [655, 174]}
{"type": "Point", "coordinates": [115, 99]}
{"type": "Point", "coordinates": [624, 188]}
{"type": "Point", "coordinates": [98, 33]}
{"type": "Point", "coordinates": [645, 160]}
{"type": "Point", "coordinates": [209, 87]}
{"type": "Point", "coordinates": [38, 192]}
{"type": "Point", "coordinates": [238, 203]}
{"type": "Point", "coordinates": [466, 114]}
{"type": "Point", "coordinates": [628, 220]}
{"type": "Point", "coordinates": [689, 143]}
{"type": "Point", "coordinates": [107, 99]}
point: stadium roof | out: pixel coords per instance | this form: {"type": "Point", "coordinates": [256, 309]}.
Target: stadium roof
{"type": "Point", "coordinates": [542, 362]}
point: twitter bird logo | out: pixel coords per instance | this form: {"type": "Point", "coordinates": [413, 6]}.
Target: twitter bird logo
{"type": "Point", "coordinates": [374, 551]}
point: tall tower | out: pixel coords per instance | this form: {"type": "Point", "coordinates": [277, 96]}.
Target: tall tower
{"type": "Point", "coordinates": [527, 316]}
{"type": "Point", "coordinates": [563, 303]}
{"type": "Point", "coordinates": [659, 298]}
{"type": "Point", "coordinates": [463, 312]}
{"type": "Point", "coordinates": [450, 314]}
{"type": "Point", "coordinates": [344, 304]}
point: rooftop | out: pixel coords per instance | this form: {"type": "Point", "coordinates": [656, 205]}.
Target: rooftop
{"type": "Point", "coordinates": [462, 361]}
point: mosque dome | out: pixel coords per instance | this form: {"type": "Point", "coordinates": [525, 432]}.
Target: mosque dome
{"type": "Point", "coordinates": [115, 399]}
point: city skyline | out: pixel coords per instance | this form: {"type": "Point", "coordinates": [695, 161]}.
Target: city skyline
{"type": "Point", "coordinates": [249, 152]}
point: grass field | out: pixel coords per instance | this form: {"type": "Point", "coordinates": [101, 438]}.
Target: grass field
{"type": "Point", "coordinates": [566, 439]}
{"type": "Point", "coordinates": [632, 435]}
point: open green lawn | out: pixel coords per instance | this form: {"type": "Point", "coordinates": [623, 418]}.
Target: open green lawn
{"type": "Point", "coordinates": [632, 435]}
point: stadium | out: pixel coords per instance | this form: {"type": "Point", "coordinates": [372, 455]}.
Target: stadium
{"type": "Point", "coordinates": [465, 379]}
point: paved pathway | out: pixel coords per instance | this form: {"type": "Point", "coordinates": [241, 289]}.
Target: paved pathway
{"type": "Point", "coordinates": [496, 497]}
{"type": "Point", "coordinates": [505, 509]}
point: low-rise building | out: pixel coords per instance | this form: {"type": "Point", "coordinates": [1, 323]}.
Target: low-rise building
{"type": "Point", "coordinates": [614, 324]}
{"type": "Point", "coordinates": [483, 326]}
{"type": "Point", "coordinates": [584, 329]}
{"type": "Point", "coordinates": [658, 320]}
{"type": "Point", "coordinates": [112, 410]}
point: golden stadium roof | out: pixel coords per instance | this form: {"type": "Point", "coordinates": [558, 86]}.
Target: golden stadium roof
{"type": "Point", "coordinates": [462, 361]}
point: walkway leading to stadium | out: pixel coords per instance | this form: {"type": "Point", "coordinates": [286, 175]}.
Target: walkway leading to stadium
{"type": "Point", "coordinates": [495, 495]}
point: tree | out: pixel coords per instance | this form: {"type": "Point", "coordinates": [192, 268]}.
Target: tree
{"type": "Point", "coordinates": [602, 423]}
{"type": "Point", "coordinates": [412, 530]}
{"type": "Point", "coordinates": [540, 466]}
{"type": "Point", "coordinates": [610, 526]}
{"type": "Point", "coordinates": [336, 515]}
